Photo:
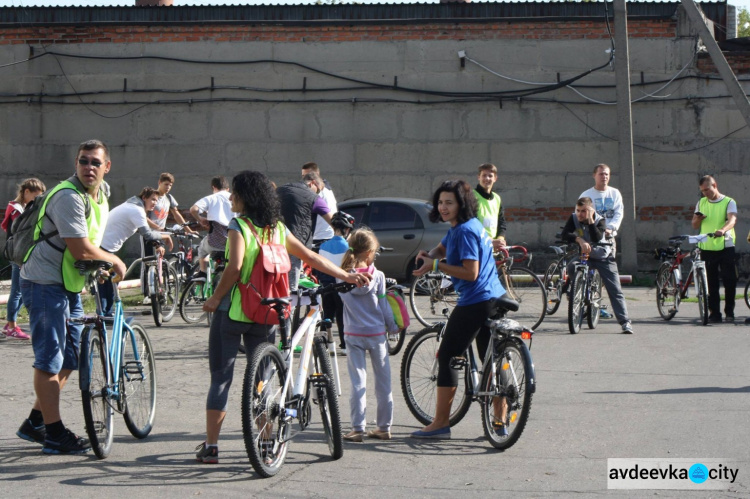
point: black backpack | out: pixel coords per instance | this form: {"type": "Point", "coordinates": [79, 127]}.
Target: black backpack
{"type": "Point", "coordinates": [21, 240]}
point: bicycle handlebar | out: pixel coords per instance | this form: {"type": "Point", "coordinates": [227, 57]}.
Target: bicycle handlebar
{"type": "Point", "coordinates": [505, 252]}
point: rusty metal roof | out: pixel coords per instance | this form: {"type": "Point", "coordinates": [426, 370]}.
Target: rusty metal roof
{"type": "Point", "coordinates": [340, 13]}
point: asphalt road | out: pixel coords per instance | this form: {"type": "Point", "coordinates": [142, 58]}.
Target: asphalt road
{"type": "Point", "coordinates": [672, 390]}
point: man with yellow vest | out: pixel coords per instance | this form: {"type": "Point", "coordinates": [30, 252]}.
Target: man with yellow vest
{"type": "Point", "coordinates": [716, 214]}
{"type": "Point", "coordinates": [77, 208]}
{"type": "Point", "coordinates": [490, 206]}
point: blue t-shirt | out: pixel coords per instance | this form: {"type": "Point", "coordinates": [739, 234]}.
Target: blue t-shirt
{"type": "Point", "coordinates": [334, 250]}
{"type": "Point", "coordinates": [469, 241]}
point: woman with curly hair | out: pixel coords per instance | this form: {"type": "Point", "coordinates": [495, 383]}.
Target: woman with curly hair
{"type": "Point", "coordinates": [254, 197]}
{"type": "Point", "coordinates": [467, 250]}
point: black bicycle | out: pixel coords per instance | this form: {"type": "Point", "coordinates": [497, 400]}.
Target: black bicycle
{"type": "Point", "coordinates": [503, 386]}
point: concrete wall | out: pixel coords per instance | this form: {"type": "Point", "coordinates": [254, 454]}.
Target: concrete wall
{"type": "Point", "coordinates": [398, 144]}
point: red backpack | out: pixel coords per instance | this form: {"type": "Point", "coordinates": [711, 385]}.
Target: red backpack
{"type": "Point", "coordinates": [268, 279]}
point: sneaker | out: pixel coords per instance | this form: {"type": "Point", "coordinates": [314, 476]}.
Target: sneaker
{"type": "Point", "coordinates": [627, 328]}
{"type": "Point", "coordinates": [729, 318]}
{"type": "Point", "coordinates": [17, 334]}
{"type": "Point", "coordinates": [747, 320]}
{"type": "Point", "coordinates": [440, 433]}
{"type": "Point", "coordinates": [501, 430]}
{"type": "Point", "coordinates": [354, 436]}
{"type": "Point", "coordinates": [67, 443]}
{"type": "Point", "coordinates": [714, 319]}
{"type": "Point", "coordinates": [199, 277]}
{"type": "Point", "coordinates": [32, 433]}
{"type": "Point", "coordinates": [342, 352]}
{"type": "Point", "coordinates": [208, 455]}
{"type": "Point", "coordinates": [604, 314]}
{"type": "Point", "coordinates": [147, 301]}
{"type": "Point", "coordinates": [379, 434]}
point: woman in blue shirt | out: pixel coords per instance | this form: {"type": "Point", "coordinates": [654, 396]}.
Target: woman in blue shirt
{"type": "Point", "coordinates": [467, 251]}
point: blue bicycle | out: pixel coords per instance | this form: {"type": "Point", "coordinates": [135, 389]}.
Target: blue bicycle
{"type": "Point", "coordinates": [117, 369]}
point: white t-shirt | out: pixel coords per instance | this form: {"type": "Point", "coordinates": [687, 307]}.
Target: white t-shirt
{"type": "Point", "coordinates": [123, 222]}
{"type": "Point", "coordinates": [217, 207]}
{"type": "Point", "coordinates": [607, 203]}
{"type": "Point", "coordinates": [323, 229]}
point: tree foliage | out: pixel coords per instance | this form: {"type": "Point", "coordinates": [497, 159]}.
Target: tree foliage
{"type": "Point", "coordinates": [743, 23]}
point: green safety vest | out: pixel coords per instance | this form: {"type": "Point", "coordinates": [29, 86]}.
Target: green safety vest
{"type": "Point", "coordinates": [96, 222]}
{"type": "Point", "coordinates": [716, 217]}
{"type": "Point", "coordinates": [488, 211]}
{"type": "Point", "coordinates": [251, 255]}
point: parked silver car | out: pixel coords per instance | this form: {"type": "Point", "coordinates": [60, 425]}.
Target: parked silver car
{"type": "Point", "coordinates": [400, 223]}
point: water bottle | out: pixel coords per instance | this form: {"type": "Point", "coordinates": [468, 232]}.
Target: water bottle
{"type": "Point", "coordinates": [678, 276]}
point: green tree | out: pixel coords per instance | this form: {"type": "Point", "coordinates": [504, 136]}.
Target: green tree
{"type": "Point", "coordinates": [743, 23]}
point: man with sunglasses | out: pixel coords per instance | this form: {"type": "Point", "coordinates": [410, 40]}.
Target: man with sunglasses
{"type": "Point", "coordinates": [78, 209]}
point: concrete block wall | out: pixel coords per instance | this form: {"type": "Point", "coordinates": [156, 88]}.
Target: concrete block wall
{"type": "Point", "coordinates": [395, 144]}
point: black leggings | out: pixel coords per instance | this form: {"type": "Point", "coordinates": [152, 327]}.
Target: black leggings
{"type": "Point", "coordinates": [465, 323]}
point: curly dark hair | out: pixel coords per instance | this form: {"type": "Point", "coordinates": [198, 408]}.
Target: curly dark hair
{"type": "Point", "coordinates": [259, 200]}
{"type": "Point", "coordinates": [467, 203]}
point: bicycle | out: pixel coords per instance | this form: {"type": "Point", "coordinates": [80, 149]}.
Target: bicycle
{"type": "Point", "coordinates": [507, 378]}
{"type": "Point", "coordinates": [186, 251]}
{"type": "Point", "coordinates": [196, 292]}
{"type": "Point", "coordinates": [670, 290]}
{"type": "Point", "coordinates": [522, 285]}
{"type": "Point", "coordinates": [117, 369]}
{"type": "Point", "coordinates": [274, 395]}
{"type": "Point", "coordinates": [585, 294]}
{"type": "Point", "coordinates": [441, 297]}
{"type": "Point", "coordinates": [162, 286]}
{"type": "Point", "coordinates": [556, 276]}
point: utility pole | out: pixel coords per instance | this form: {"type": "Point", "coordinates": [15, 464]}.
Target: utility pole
{"type": "Point", "coordinates": [629, 239]}
{"type": "Point", "coordinates": [730, 80]}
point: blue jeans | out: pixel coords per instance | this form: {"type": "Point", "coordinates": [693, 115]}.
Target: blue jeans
{"type": "Point", "coordinates": [106, 292]}
{"type": "Point", "coordinates": [14, 298]}
{"type": "Point", "coordinates": [55, 343]}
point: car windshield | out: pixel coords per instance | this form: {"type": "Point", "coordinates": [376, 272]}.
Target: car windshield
{"type": "Point", "coordinates": [393, 216]}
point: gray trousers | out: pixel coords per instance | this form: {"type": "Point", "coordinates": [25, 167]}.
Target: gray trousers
{"type": "Point", "coordinates": [611, 279]}
{"type": "Point", "coordinates": [356, 356]}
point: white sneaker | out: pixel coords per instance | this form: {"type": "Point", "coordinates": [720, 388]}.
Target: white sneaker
{"type": "Point", "coordinates": [627, 328]}
{"type": "Point", "coordinates": [147, 301]}
{"type": "Point", "coordinates": [342, 352]}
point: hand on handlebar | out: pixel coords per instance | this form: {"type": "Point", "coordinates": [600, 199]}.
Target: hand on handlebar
{"type": "Point", "coordinates": [498, 244]}
{"type": "Point", "coordinates": [359, 279]}
{"type": "Point", "coordinates": [585, 246]}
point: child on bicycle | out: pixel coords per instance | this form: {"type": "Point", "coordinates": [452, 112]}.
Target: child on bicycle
{"type": "Point", "coordinates": [367, 319]}
{"type": "Point", "coordinates": [334, 250]}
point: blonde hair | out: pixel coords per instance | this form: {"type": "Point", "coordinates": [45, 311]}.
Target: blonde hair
{"type": "Point", "coordinates": [361, 242]}
{"type": "Point", "coordinates": [31, 184]}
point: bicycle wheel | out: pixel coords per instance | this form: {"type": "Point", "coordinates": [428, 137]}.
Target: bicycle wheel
{"type": "Point", "coordinates": [170, 292]}
{"type": "Point", "coordinates": [138, 381]}
{"type": "Point", "coordinates": [191, 303]}
{"type": "Point", "coordinates": [667, 292]}
{"type": "Point", "coordinates": [702, 285]}
{"type": "Point", "coordinates": [328, 400]}
{"type": "Point", "coordinates": [265, 375]}
{"type": "Point", "coordinates": [432, 298]}
{"type": "Point", "coordinates": [747, 298]}
{"type": "Point", "coordinates": [419, 369]}
{"type": "Point", "coordinates": [155, 290]}
{"type": "Point", "coordinates": [396, 341]}
{"type": "Point", "coordinates": [554, 278]}
{"type": "Point", "coordinates": [514, 385]}
{"type": "Point", "coordinates": [595, 300]}
{"type": "Point", "coordinates": [95, 381]}
{"type": "Point", "coordinates": [576, 302]}
{"type": "Point", "coordinates": [528, 290]}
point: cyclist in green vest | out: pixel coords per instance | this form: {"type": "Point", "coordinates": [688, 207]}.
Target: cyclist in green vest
{"type": "Point", "coordinates": [490, 206]}
{"type": "Point", "coordinates": [78, 209]}
{"type": "Point", "coordinates": [716, 214]}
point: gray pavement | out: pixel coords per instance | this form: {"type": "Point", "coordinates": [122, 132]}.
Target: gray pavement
{"type": "Point", "coordinates": [673, 390]}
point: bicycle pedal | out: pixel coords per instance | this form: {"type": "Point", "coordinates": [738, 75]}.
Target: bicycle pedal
{"type": "Point", "coordinates": [458, 363]}
{"type": "Point", "coordinates": [318, 380]}
{"type": "Point", "coordinates": [133, 367]}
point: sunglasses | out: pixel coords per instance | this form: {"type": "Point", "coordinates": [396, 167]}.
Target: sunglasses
{"type": "Point", "coordinates": [85, 162]}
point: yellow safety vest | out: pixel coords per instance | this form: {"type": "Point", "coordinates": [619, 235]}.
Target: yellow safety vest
{"type": "Point", "coordinates": [716, 217]}
{"type": "Point", "coordinates": [488, 211]}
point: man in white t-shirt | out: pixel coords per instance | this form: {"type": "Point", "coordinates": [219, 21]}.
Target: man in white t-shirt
{"type": "Point", "coordinates": [124, 221]}
{"type": "Point", "coordinates": [323, 230]}
{"type": "Point", "coordinates": [214, 213]}
{"type": "Point", "coordinates": [608, 204]}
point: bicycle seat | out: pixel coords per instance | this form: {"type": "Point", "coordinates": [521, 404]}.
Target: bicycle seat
{"type": "Point", "coordinates": [92, 265]}
{"type": "Point", "coordinates": [275, 301]}
{"type": "Point", "coordinates": [503, 303]}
